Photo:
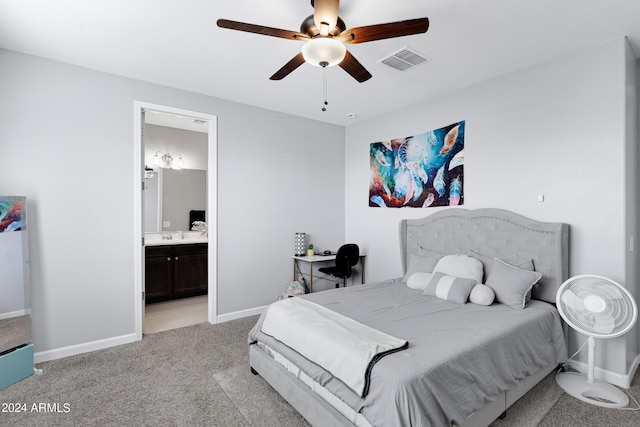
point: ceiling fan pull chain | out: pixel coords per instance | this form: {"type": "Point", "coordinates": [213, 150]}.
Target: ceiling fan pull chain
{"type": "Point", "coordinates": [324, 88]}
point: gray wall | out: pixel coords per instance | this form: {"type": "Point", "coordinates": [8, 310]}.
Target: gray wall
{"type": "Point", "coordinates": [557, 129]}
{"type": "Point", "coordinates": [67, 144]}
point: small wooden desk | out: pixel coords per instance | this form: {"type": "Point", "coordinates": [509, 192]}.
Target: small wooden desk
{"type": "Point", "coordinates": [319, 258]}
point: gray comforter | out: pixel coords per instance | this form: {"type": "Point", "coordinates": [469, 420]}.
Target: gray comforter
{"type": "Point", "coordinates": [460, 357]}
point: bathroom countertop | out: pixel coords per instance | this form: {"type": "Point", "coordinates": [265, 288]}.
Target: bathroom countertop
{"type": "Point", "coordinates": [175, 242]}
{"type": "Point", "coordinates": [189, 238]}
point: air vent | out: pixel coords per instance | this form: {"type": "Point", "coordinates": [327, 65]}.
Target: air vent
{"type": "Point", "coordinates": [404, 59]}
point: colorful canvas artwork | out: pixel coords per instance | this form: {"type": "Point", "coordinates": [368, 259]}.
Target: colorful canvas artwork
{"type": "Point", "coordinates": [419, 171]}
{"type": "Point", "coordinates": [11, 211]}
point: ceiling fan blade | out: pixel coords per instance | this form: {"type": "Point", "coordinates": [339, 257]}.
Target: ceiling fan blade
{"type": "Point", "coordinates": [261, 29]}
{"type": "Point", "coordinates": [385, 31]}
{"type": "Point", "coordinates": [325, 12]}
{"type": "Point", "coordinates": [351, 65]}
{"type": "Point", "coordinates": [283, 72]}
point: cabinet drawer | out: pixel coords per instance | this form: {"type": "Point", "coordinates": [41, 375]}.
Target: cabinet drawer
{"type": "Point", "coordinates": [191, 249]}
{"type": "Point", "coordinates": [158, 251]}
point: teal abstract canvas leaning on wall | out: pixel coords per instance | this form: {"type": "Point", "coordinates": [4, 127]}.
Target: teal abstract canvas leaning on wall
{"type": "Point", "coordinates": [419, 171]}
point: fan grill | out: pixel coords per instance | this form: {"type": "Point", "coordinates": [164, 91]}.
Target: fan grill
{"type": "Point", "coordinates": [404, 59]}
{"type": "Point", "coordinates": [596, 306]}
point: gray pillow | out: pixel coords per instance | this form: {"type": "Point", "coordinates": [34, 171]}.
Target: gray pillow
{"type": "Point", "coordinates": [487, 262]}
{"type": "Point", "coordinates": [511, 284]}
{"type": "Point", "coordinates": [449, 288]}
{"type": "Point", "coordinates": [422, 261]}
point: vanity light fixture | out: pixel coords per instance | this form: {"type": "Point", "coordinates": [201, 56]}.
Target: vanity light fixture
{"type": "Point", "coordinates": [179, 163]}
{"type": "Point", "coordinates": [166, 161]}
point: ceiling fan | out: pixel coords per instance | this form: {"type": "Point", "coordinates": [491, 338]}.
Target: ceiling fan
{"type": "Point", "coordinates": [325, 35]}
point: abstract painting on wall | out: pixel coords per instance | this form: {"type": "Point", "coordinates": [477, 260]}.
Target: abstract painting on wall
{"type": "Point", "coordinates": [419, 171]}
{"type": "Point", "coordinates": [11, 211]}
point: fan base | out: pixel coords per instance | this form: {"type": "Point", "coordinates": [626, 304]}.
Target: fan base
{"type": "Point", "coordinates": [597, 393]}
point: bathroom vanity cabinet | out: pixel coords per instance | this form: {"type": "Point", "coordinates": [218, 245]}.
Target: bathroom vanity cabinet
{"type": "Point", "coordinates": [175, 271]}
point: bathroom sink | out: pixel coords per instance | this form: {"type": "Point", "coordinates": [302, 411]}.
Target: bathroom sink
{"type": "Point", "coordinates": [188, 235]}
{"type": "Point", "coordinates": [151, 237]}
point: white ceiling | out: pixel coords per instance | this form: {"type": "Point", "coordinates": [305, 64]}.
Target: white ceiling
{"type": "Point", "coordinates": [177, 43]}
{"type": "Point", "coordinates": [175, 121]}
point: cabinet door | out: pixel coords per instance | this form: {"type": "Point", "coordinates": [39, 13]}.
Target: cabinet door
{"type": "Point", "coordinates": [190, 270]}
{"type": "Point", "coordinates": [158, 274]}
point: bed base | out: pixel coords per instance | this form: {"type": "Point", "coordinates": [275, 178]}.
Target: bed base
{"type": "Point", "coordinates": [319, 413]}
{"type": "Point", "coordinates": [312, 407]}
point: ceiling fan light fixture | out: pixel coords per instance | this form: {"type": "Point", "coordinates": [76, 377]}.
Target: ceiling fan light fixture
{"type": "Point", "coordinates": [323, 52]}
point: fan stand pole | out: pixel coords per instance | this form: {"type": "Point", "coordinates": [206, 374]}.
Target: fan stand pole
{"type": "Point", "coordinates": [591, 344]}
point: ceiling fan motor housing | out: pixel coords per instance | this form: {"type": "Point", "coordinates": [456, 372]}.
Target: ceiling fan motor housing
{"type": "Point", "coordinates": [309, 27]}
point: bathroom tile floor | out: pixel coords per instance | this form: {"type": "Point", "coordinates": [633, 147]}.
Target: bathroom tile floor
{"type": "Point", "coordinates": [163, 316]}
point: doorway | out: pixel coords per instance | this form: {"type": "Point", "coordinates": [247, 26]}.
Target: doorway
{"type": "Point", "coordinates": [171, 117]}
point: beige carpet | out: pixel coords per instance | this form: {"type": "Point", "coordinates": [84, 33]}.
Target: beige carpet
{"type": "Point", "coordinates": [199, 376]}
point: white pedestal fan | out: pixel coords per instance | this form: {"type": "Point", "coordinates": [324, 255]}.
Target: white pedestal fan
{"type": "Point", "coordinates": [599, 308]}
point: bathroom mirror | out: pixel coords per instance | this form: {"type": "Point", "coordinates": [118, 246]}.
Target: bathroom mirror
{"type": "Point", "coordinates": [170, 194]}
{"type": "Point", "coordinates": [15, 301]}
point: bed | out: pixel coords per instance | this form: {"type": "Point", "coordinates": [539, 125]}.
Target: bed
{"type": "Point", "coordinates": [465, 363]}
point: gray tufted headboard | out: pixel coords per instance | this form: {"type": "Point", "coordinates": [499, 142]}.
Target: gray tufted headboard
{"type": "Point", "coordinates": [497, 233]}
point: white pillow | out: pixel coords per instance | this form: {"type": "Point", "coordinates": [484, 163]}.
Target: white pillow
{"type": "Point", "coordinates": [419, 280]}
{"type": "Point", "coordinates": [482, 295]}
{"type": "Point", "coordinates": [462, 266]}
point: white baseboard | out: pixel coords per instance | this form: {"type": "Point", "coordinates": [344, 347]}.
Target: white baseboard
{"type": "Point", "coordinates": [44, 356]}
{"type": "Point", "coordinates": [72, 350]}
{"type": "Point", "coordinates": [240, 314]}
{"type": "Point", "coordinates": [13, 314]}
{"type": "Point", "coordinates": [621, 380]}
{"type": "Point", "coordinates": [634, 368]}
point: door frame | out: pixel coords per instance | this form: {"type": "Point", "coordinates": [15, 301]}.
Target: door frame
{"type": "Point", "coordinates": [212, 207]}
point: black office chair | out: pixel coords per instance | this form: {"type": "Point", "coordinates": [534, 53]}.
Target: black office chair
{"type": "Point", "coordinates": [347, 256]}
